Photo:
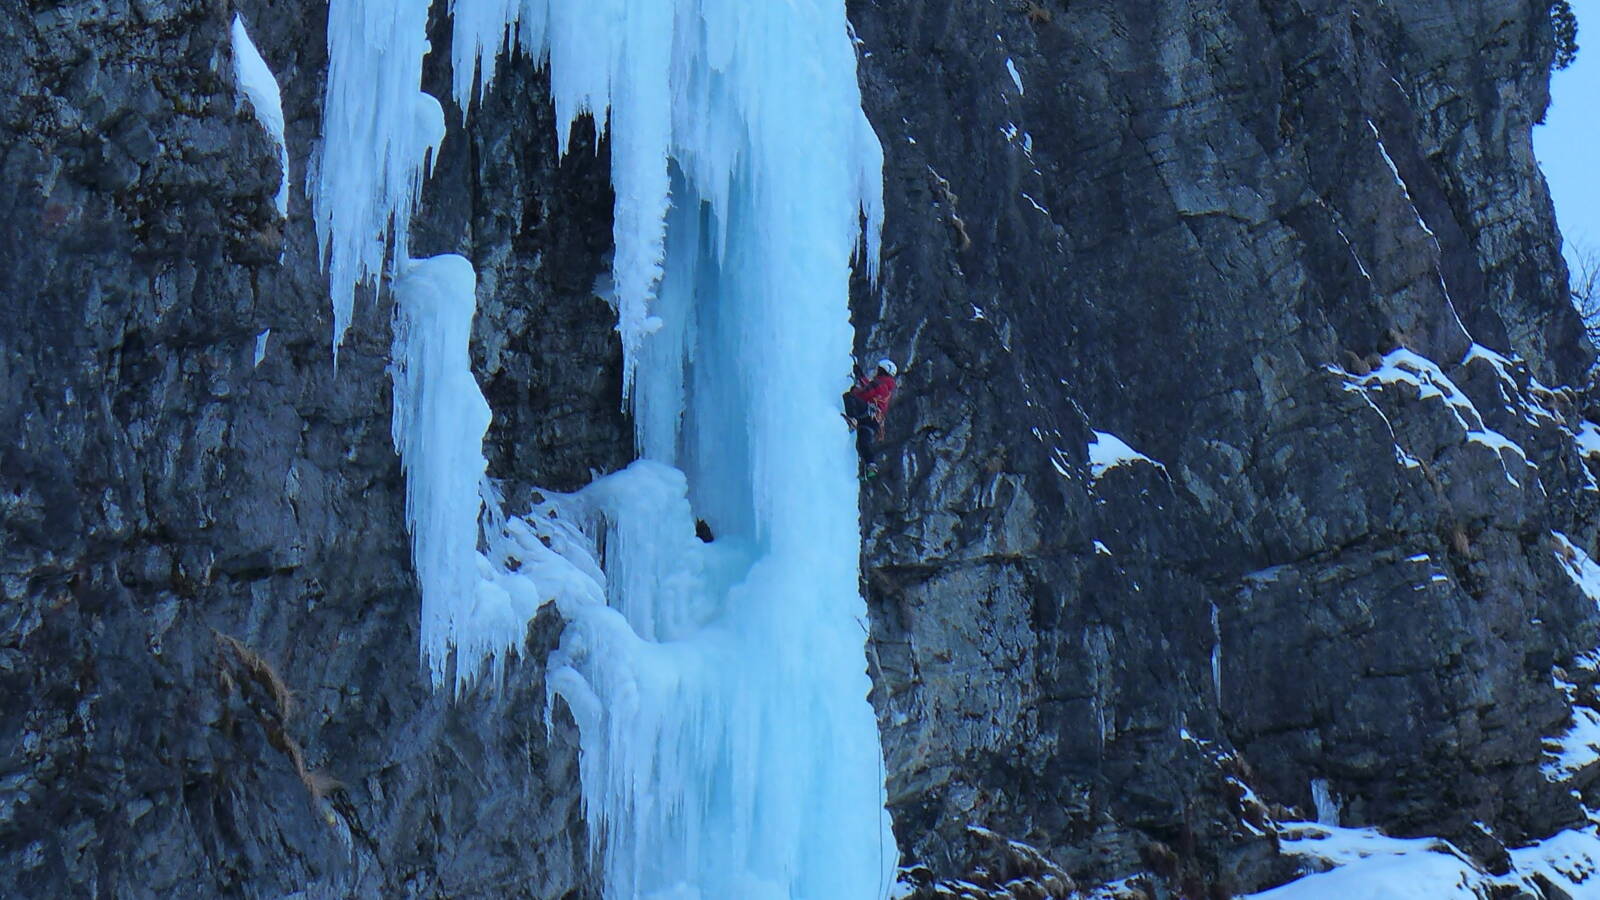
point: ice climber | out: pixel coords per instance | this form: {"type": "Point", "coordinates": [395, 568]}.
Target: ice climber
{"type": "Point", "coordinates": [866, 405]}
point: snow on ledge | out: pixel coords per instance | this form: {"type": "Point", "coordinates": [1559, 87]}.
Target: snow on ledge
{"type": "Point", "coordinates": [1408, 367]}
{"type": "Point", "coordinates": [1511, 392]}
{"type": "Point", "coordinates": [1578, 747]}
{"type": "Point", "coordinates": [257, 82]}
{"type": "Point", "coordinates": [1107, 451]}
{"type": "Point", "coordinates": [1587, 439]}
{"type": "Point", "coordinates": [1369, 865]}
{"type": "Point", "coordinates": [1579, 567]}
{"type": "Point", "coordinates": [1569, 859]}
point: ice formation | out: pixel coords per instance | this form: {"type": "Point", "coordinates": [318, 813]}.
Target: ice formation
{"type": "Point", "coordinates": [439, 421]}
{"type": "Point", "coordinates": [258, 84]}
{"type": "Point", "coordinates": [728, 748]}
{"type": "Point", "coordinates": [379, 133]}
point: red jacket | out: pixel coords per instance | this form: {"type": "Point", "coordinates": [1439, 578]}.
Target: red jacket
{"type": "Point", "coordinates": [876, 392]}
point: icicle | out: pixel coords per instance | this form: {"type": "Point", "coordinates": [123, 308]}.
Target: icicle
{"type": "Point", "coordinates": [379, 131]}
{"type": "Point", "coordinates": [440, 418]}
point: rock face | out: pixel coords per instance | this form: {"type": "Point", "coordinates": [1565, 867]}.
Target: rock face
{"type": "Point", "coordinates": [209, 630]}
{"type": "Point", "coordinates": [1200, 227]}
{"type": "Point", "coordinates": [1256, 242]}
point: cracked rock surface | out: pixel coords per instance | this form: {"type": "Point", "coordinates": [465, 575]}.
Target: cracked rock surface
{"type": "Point", "coordinates": [209, 682]}
{"type": "Point", "coordinates": [1297, 255]}
{"type": "Point", "coordinates": [1219, 232]}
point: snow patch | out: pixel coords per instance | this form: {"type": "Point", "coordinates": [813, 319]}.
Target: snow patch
{"type": "Point", "coordinates": [1368, 865]}
{"type": "Point", "coordinates": [1569, 859]}
{"type": "Point", "coordinates": [1588, 439]}
{"type": "Point", "coordinates": [1016, 79]}
{"type": "Point", "coordinates": [261, 347]}
{"type": "Point", "coordinates": [1576, 748]}
{"type": "Point", "coordinates": [258, 84]}
{"type": "Point", "coordinates": [1402, 366]}
{"type": "Point", "coordinates": [1501, 363]}
{"type": "Point", "coordinates": [1372, 867]}
{"type": "Point", "coordinates": [1107, 451]}
{"type": "Point", "coordinates": [1579, 567]}
{"type": "Point", "coordinates": [1511, 392]}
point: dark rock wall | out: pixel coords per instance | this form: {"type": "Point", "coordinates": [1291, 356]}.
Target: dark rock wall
{"type": "Point", "coordinates": [209, 678]}
{"type": "Point", "coordinates": [1181, 230]}
{"type": "Point", "coordinates": [1171, 232]}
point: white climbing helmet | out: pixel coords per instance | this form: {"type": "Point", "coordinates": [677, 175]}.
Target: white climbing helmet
{"type": "Point", "coordinates": [887, 365]}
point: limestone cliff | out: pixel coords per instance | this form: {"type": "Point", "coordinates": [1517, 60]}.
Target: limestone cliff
{"type": "Point", "coordinates": [1254, 241]}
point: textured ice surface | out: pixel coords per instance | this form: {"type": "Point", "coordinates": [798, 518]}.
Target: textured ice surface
{"type": "Point", "coordinates": [379, 132]}
{"type": "Point", "coordinates": [483, 574]}
{"type": "Point", "coordinates": [703, 87]}
{"type": "Point", "coordinates": [728, 749]}
{"type": "Point", "coordinates": [439, 421]}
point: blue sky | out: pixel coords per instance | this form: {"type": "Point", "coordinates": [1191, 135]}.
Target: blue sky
{"type": "Point", "coordinates": [1566, 144]}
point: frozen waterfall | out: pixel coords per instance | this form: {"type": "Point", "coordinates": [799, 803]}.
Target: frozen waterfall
{"type": "Point", "coordinates": [728, 748]}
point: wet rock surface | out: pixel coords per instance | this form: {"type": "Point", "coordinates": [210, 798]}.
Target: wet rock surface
{"type": "Point", "coordinates": [1206, 228]}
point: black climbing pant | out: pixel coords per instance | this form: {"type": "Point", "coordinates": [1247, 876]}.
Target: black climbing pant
{"type": "Point", "coordinates": [866, 426]}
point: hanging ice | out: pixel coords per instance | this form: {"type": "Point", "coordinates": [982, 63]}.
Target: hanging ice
{"type": "Point", "coordinates": [728, 749]}
{"type": "Point", "coordinates": [379, 131]}
{"type": "Point", "coordinates": [439, 421]}
{"type": "Point", "coordinates": [483, 575]}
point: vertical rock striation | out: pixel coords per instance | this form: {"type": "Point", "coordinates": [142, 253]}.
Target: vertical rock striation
{"type": "Point", "coordinates": [1201, 227]}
